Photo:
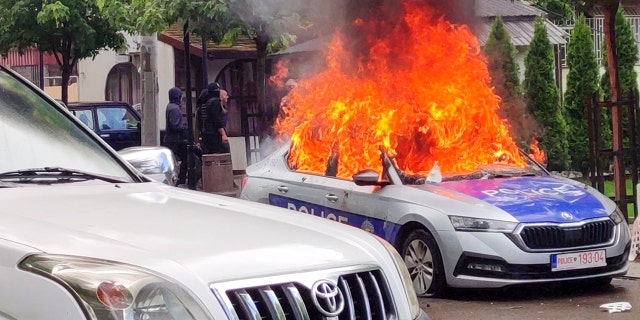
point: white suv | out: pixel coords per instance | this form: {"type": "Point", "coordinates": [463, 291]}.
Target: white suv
{"type": "Point", "coordinates": [86, 236]}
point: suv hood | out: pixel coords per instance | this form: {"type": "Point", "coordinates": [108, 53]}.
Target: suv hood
{"type": "Point", "coordinates": [151, 225]}
{"type": "Point", "coordinates": [536, 199]}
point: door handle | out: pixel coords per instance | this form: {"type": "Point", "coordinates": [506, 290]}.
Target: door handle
{"type": "Point", "coordinates": [332, 197]}
{"type": "Point", "coordinates": [105, 135]}
{"type": "Point", "coordinates": [283, 189]}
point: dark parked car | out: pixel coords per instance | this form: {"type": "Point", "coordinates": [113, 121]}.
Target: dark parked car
{"type": "Point", "coordinates": [115, 122]}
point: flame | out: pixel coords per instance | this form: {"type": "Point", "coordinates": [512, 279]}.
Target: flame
{"type": "Point", "coordinates": [422, 92]}
{"type": "Point", "coordinates": [537, 154]}
{"type": "Point", "coordinates": [281, 72]}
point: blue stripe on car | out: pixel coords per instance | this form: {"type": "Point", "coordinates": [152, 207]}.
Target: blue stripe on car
{"type": "Point", "coordinates": [381, 228]}
{"type": "Point", "coordinates": [533, 199]}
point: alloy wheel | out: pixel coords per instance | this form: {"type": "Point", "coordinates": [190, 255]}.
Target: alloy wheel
{"type": "Point", "coordinates": [419, 261]}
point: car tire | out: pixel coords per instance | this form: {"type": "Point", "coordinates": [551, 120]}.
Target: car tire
{"type": "Point", "coordinates": [424, 261]}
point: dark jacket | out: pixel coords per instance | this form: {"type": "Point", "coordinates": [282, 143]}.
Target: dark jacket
{"type": "Point", "coordinates": [176, 130]}
{"type": "Point", "coordinates": [212, 116]}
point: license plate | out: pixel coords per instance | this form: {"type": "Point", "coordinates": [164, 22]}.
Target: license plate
{"type": "Point", "coordinates": [578, 260]}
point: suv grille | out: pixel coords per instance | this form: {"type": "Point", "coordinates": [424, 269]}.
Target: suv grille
{"type": "Point", "coordinates": [560, 237]}
{"type": "Point", "coordinates": [362, 295]}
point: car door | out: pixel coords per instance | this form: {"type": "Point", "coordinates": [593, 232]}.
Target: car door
{"type": "Point", "coordinates": [304, 192]}
{"type": "Point", "coordinates": [360, 206]}
{"type": "Point", "coordinates": [118, 125]}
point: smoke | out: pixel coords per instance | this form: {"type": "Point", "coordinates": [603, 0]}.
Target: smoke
{"type": "Point", "coordinates": [305, 18]}
{"type": "Point", "coordinates": [316, 18]}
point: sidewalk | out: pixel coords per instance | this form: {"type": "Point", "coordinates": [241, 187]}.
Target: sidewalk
{"type": "Point", "coordinates": [634, 265]}
{"type": "Point", "coordinates": [634, 270]}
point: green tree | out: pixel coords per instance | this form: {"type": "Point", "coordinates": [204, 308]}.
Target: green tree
{"type": "Point", "coordinates": [627, 51]}
{"type": "Point", "coordinates": [543, 99]}
{"type": "Point", "coordinates": [559, 10]}
{"type": "Point", "coordinates": [70, 30]}
{"type": "Point", "coordinates": [582, 84]}
{"type": "Point", "coordinates": [271, 23]}
{"type": "Point", "coordinates": [501, 55]}
{"type": "Point", "coordinates": [505, 79]}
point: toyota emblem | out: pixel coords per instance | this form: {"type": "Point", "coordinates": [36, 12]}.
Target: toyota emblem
{"type": "Point", "coordinates": [327, 298]}
{"type": "Point", "coordinates": [566, 215]}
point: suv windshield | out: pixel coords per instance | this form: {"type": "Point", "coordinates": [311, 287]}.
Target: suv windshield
{"type": "Point", "coordinates": [36, 134]}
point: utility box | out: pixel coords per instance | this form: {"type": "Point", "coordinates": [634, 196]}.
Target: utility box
{"type": "Point", "coordinates": [217, 173]}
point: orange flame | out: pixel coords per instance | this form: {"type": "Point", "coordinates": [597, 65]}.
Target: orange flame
{"type": "Point", "coordinates": [422, 93]}
{"type": "Point", "coordinates": [537, 154]}
{"type": "Point", "coordinates": [281, 72]}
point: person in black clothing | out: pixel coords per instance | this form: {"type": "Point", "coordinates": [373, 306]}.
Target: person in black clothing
{"type": "Point", "coordinates": [175, 137]}
{"type": "Point", "coordinates": [213, 120]}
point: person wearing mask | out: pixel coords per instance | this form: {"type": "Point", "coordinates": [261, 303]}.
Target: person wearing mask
{"type": "Point", "coordinates": [213, 120]}
{"type": "Point", "coordinates": [175, 137]}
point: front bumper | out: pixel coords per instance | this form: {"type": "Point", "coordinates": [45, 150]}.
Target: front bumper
{"type": "Point", "coordinates": [509, 264]}
{"type": "Point", "coordinates": [534, 271]}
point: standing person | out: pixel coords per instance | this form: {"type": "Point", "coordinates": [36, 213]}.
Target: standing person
{"type": "Point", "coordinates": [213, 121]}
{"type": "Point", "coordinates": [175, 137]}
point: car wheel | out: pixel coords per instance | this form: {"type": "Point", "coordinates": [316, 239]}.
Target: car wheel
{"type": "Point", "coordinates": [423, 259]}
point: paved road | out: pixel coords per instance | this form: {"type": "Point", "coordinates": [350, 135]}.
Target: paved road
{"type": "Point", "coordinates": [538, 303]}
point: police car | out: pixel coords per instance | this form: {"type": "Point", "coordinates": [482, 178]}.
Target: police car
{"type": "Point", "coordinates": [501, 225]}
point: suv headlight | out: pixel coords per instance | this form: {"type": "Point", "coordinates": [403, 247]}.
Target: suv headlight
{"type": "Point", "coordinates": [481, 224]}
{"type": "Point", "coordinates": [107, 290]}
{"type": "Point", "coordinates": [617, 216]}
{"type": "Point", "coordinates": [414, 305]}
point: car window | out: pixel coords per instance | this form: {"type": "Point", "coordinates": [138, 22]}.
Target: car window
{"type": "Point", "coordinates": [35, 133]}
{"type": "Point", "coordinates": [85, 117]}
{"type": "Point", "coordinates": [116, 118]}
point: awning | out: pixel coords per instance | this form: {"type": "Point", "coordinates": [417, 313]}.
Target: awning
{"type": "Point", "coordinates": [317, 44]}
{"type": "Point", "coordinates": [28, 57]}
{"type": "Point", "coordinates": [241, 49]}
{"type": "Point", "coordinates": [521, 32]}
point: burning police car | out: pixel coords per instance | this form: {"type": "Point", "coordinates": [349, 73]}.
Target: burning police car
{"type": "Point", "coordinates": [85, 236]}
{"type": "Point", "coordinates": [404, 136]}
{"type": "Point", "coordinates": [500, 225]}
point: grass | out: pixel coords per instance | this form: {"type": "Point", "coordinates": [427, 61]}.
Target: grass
{"type": "Point", "coordinates": [609, 191]}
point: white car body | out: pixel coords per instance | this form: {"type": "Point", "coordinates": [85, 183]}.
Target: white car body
{"type": "Point", "coordinates": [78, 246]}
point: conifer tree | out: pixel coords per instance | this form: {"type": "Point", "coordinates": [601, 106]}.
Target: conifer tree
{"type": "Point", "coordinates": [501, 55]}
{"type": "Point", "coordinates": [543, 99]}
{"type": "Point", "coordinates": [582, 84]}
{"type": "Point", "coordinates": [627, 58]}
{"type": "Point", "coordinates": [505, 79]}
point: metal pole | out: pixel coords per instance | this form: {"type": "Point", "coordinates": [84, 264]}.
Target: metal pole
{"type": "Point", "coordinates": [191, 172]}
{"type": "Point", "coordinates": [41, 71]}
{"type": "Point", "coordinates": [205, 74]}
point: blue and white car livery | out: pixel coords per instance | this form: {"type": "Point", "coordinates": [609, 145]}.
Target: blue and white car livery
{"type": "Point", "coordinates": [499, 226]}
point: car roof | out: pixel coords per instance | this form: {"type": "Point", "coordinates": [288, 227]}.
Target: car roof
{"type": "Point", "coordinates": [80, 104]}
